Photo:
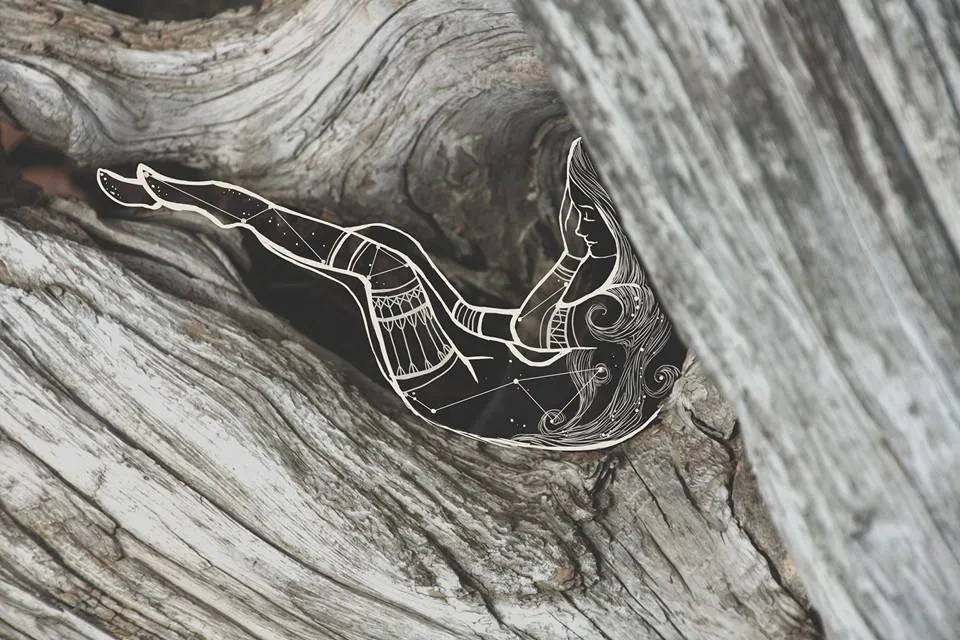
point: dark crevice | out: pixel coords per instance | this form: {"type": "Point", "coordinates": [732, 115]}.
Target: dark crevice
{"type": "Point", "coordinates": [14, 191]}
{"type": "Point", "coordinates": [673, 566]}
{"type": "Point", "coordinates": [599, 561]}
{"type": "Point", "coordinates": [738, 465]}
{"type": "Point", "coordinates": [596, 554]}
{"type": "Point", "coordinates": [242, 582]}
{"type": "Point", "coordinates": [707, 430]}
{"type": "Point", "coordinates": [668, 614]}
{"type": "Point", "coordinates": [61, 562]}
{"type": "Point", "coordinates": [87, 499]}
{"type": "Point", "coordinates": [14, 633]}
{"type": "Point", "coordinates": [645, 613]}
{"type": "Point", "coordinates": [603, 481]}
{"type": "Point", "coordinates": [603, 634]}
{"type": "Point", "coordinates": [653, 496]}
{"type": "Point", "coordinates": [687, 493]}
{"type": "Point", "coordinates": [468, 581]}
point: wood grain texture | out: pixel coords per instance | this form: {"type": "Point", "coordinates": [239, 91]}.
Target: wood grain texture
{"type": "Point", "coordinates": [381, 111]}
{"type": "Point", "coordinates": [789, 171]}
{"type": "Point", "coordinates": [177, 463]}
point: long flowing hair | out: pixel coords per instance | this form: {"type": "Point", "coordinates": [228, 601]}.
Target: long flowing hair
{"type": "Point", "coordinates": [625, 316]}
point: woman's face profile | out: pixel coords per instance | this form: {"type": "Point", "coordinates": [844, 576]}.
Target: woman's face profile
{"type": "Point", "coordinates": [591, 225]}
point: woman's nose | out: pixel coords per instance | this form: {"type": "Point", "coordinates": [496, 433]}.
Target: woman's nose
{"type": "Point", "coordinates": [581, 228]}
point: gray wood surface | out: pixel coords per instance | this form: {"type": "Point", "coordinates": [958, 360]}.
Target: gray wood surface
{"type": "Point", "coordinates": [790, 171]}
{"type": "Point", "coordinates": [178, 463]}
{"type": "Point", "coordinates": [380, 111]}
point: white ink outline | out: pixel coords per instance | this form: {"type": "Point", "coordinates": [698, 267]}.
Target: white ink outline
{"type": "Point", "coordinates": [445, 346]}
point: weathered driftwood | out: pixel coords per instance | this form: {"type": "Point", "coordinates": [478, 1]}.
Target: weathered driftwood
{"type": "Point", "coordinates": [382, 111]}
{"type": "Point", "coordinates": [176, 462]}
{"type": "Point", "coordinates": [789, 170]}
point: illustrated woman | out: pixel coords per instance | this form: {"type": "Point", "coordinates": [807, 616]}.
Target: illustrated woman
{"type": "Point", "coordinates": [582, 364]}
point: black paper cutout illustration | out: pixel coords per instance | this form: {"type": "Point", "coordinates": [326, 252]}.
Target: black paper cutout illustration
{"type": "Point", "coordinates": [583, 363]}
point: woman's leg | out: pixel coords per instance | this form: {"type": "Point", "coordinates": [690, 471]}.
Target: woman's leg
{"type": "Point", "coordinates": [409, 334]}
{"type": "Point", "coordinates": [299, 238]}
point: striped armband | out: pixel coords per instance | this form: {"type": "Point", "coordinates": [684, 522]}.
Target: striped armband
{"type": "Point", "coordinates": [563, 273]}
{"type": "Point", "coordinates": [566, 267]}
{"type": "Point", "coordinates": [558, 337]}
{"type": "Point", "coordinates": [346, 250]}
{"type": "Point", "coordinates": [467, 317]}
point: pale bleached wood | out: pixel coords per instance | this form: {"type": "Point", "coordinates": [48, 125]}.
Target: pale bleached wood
{"type": "Point", "coordinates": [789, 171]}
{"type": "Point", "coordinates": [381, 111]}
{"type": "Point", "coordinates": [178, 463]}
{"type": "Point", "coordinates": [175, 463]}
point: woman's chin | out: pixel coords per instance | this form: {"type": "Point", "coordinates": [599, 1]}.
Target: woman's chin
{"type": "Point", "coordinates": [595, 251]}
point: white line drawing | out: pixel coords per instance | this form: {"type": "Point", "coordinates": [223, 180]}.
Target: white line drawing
{"type": "Point", "coordinates": [582, 364]}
